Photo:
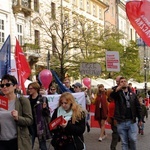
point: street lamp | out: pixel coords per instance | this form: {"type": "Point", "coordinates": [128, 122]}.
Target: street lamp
{"type": "Point", "coordinates": [48, 60]}
{"type": "Point", "coordinates": [140, 42]}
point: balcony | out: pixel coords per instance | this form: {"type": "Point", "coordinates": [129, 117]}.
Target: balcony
{"type": "Point", "coordinates": [22, 6]}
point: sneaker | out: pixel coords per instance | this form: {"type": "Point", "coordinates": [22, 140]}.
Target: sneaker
{"type": "Point", "coordinates": [100, 139]}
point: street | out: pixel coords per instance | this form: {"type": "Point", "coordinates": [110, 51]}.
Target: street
{"type": "Point", "coordinates": [92, 143]}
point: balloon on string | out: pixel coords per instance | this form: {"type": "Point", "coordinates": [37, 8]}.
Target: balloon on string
{"type": "Point", "coordinates": [87, 82]}
{"type": "Point", "coordinates": [45, 77]}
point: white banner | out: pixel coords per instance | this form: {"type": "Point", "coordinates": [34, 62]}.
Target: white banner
{"type": "Point", "coordinates": [53, 100]}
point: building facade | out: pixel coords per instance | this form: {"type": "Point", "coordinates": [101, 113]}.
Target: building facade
{"type": "Point", "coordinates": [25, 20]}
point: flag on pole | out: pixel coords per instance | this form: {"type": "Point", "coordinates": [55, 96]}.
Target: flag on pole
{"type": "Point", "coordinates": [22, 65]}
{"type": "Point", "coordinates": [138, 15]}
{"type": "Point", "coordinates": [60, 84]}
{"type": "Point", "coordinates": [5, 58]}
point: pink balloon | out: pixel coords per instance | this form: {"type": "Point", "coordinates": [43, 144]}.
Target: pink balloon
{"type": "Point", "coordinates": [87, 82]}
{"type": "Point", "coordinates": [45, 77]}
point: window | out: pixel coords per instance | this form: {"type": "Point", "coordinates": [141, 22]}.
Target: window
{"type": "Point", "coordinates": [81, 4]}
{"type": "Point", "coordinates": [2, 33]}
{"type": "Point", "coordinates": [94, 10]}
{"type": "Point", "coordinates": [36, 5]}
{"type": "Point", "coordinates": [113, 12]}
{"type": "Point", "coordinates": [88, 6]}
{"type": "Point", "coordinates": [100, 13]}
{"type": "Point", "coordinates": [74, 2]}
{"type": "Point", "coordinates": [37, 37]}
{"type": "Point", "coordinates": [20, 33]}
{"type": "Point", "coordinates": [53, 10]}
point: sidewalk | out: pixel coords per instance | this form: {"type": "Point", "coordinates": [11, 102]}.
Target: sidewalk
{"type": "Point", "coordinates": [92, 143]}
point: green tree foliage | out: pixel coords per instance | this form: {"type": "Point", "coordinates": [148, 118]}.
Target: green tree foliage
{"type": "Point", "coordinates": [130, 62]}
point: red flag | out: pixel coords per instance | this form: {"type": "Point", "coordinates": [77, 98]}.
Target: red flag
{"type": "Point", "coordinates": [22, 65]}
{"type": "Point", "coordinates": [138, 14]}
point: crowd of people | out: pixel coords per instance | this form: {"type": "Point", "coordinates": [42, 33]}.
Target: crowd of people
{"type": "Point", "coordinates": [29, 117]}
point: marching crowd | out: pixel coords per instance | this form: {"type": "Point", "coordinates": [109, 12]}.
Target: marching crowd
{"type": "Point", "coordinates": [29, 117]}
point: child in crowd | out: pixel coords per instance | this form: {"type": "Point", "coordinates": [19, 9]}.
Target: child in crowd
{"type": "Point", "coordinates": [144, 114]}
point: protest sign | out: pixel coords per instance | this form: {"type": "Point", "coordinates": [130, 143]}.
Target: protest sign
{"type": "Point", "coordinates": [58, 121]}
{"type": "Point", "coordinates": [3, 102]}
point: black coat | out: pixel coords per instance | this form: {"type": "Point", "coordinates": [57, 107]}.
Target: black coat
{"type": "Point", "coordinates": [120, 106]}
{"type": "Point", "coordinates": [74, 132]}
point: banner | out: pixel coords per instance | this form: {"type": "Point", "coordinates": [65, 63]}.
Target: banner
{"type": "Point", "coordinates": [5, 58]}
{"type": "Point", "coordinates": [3, 102]}
{"type": "Point", "coordinates": [53, 100]}
{"type": "Point", "coordinates": [80, 99]}
{"type": "Point", "coordinates": [112, 61]}
{"type": "Point", "coordinates": [23, 68]}
{"type": "Point", "coordinates": [138, 15]}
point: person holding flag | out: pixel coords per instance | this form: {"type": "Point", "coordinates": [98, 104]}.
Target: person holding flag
{"type": "Point", "coordinates": [15, 118]}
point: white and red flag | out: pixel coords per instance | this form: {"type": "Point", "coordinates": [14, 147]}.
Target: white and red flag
{"type": "Point", "coordinates": [23, 68]}
{"type": "Point", "coordinates": [138, 14]}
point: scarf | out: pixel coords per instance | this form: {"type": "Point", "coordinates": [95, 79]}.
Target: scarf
{"type": "Point", "coordinates": [61, 112]}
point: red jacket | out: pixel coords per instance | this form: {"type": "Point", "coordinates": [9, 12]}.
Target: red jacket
{"type": "Point", "coordinates": [111, 109]}
{"type": "Point", "coordinates": [101, 107]}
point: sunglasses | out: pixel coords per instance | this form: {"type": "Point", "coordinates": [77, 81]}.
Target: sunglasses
{"type": "Point", "coordinates": [7, 85]}
{"type": "Point", "coordinates": [53, 89]}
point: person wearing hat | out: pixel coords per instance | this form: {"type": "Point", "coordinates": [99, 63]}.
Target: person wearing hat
{"type": "Point", "coordinates": [78, 88]}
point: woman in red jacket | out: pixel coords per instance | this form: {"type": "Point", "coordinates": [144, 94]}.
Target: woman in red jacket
{"type": "Point", "coordinates": [101, 110]}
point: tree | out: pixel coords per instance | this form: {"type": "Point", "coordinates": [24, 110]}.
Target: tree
{"type": "Point", "coordinates": [131, 64]}
{"type": "Point", "coordinates": [72, 40]}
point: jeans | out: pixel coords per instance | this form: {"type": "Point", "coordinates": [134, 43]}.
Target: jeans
{"type": "Point", "coordinates": [128, 133]}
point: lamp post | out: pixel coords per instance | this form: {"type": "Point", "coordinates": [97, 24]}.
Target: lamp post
{"type": "Point", "coordinates": [48, 60]}
{"type": "Point", "coordinates": [140, 42]}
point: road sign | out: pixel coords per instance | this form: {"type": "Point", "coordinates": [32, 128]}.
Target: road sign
{"type": "Point", "coordinates": [93, 69]}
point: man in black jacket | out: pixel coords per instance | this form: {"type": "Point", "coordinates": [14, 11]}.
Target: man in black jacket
{"type": "Point", "coordinates": [127, 108]}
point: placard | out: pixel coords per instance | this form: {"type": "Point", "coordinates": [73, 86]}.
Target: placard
{"type": "Point", "coordinates": [112, 61]}
{"type": "Point", "coordinates": [3, 102]}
